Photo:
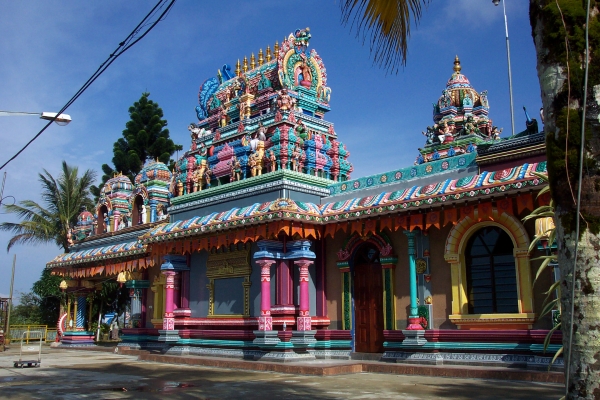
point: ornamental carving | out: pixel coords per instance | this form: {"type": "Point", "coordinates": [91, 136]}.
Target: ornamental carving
{"type": "Point", "coordinates": [229, 264]}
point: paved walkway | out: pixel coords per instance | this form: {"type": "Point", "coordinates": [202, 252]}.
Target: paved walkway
{"type": "Point", "coordinates": [77, 374]}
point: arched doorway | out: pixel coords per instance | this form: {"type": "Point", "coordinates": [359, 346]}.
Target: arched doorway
{"type": "Point", "coordinates": [368, 300]}
{"type": "Point", "coordinates": [102, 219]}
{"type": "Point", "coordinates": [136, 214]}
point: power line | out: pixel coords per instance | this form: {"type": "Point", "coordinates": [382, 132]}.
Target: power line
{"type": "Point", "coordinates": [123, 46]}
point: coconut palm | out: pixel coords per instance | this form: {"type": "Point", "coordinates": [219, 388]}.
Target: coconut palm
{"type": "Point", "coordinates": [50, 222]}
{"type": "Point", "coordinates": [566, 34]}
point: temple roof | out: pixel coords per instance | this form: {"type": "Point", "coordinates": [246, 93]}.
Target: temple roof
{"type": "Point", "coordinates": [98, 254]}
{"type": "Point", "coordinates": [448, 191]}
{"type": "Point", "coordinates": [154, 170]}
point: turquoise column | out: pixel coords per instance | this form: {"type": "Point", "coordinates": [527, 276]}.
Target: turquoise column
{"type": "Point", "coordinates": [413, 318]}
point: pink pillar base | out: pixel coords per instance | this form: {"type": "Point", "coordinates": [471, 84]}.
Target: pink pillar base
{"type": "Point", "coordinates": [168, 318]}
{"type": "Point", "coordinates": [303, 323]}
{"type": "Point", "coordinates": [265, 323]}
{"type": "Point", "coordinates": [168, 322]}
{"type": "Point", "coordinates": [414, 325]}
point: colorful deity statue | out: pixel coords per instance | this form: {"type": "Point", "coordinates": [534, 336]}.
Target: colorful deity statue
{"type": "Point", "coordinates": [194, 131]}
{"type": "Point", "coordinates": [207, 177]}
{"type": "Point", "coordinates": [242, 107]}
{"type": "Point", "coordinates": [261, 133]}
{"type": "Point", "coordinates": [273, 161]}
{"type": "Point", "coordinates": [252, 165]}
{"type": "Point", "coordinates": [199, 176]}
{"type": "Point", "coordinates": [255, 160]}
{"type": "Point", "coordinates": [496, 133]}
{"type": "Point", "coordinates": [223, 118]}
{"type": "Point", "coordinates": [301, 132]}
{"type": "Point", "coordinates": [303, 75]}
{"type": "Point", "coordinates": [296, 156]}
{"type": "Point", "coordinates": [470, 128]}
{"type": "Point", "coordinates": [70, 238]}
{"type": "Point", "coordinates": [285, 102]}
{"type": "Point", "coordinates": [236, 169]}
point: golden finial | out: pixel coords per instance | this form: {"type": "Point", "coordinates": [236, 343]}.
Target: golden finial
{"type": "Point", "coordinates": [238, 70]}
{"type": "Point", "coordinates": [261, 59]}
{"type": "Point", "coordinates": [268, 53]}
{"type": "Point", "coordinates": [457, 66]}
{"type": "Point", "coordinates": [245, 67]}
{"type": "Point", "coordinates": [252, 61]}
{"type": "Point", "coordinates": [276, 48]}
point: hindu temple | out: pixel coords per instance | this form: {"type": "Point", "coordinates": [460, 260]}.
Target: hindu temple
{"type": "Point", "coordinates": [262, 245]}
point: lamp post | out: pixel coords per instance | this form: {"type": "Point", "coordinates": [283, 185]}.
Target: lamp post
{"type": "Point", "coordinates": [60, 119]}
{"type": "Point", "coordinates": [512, 114]}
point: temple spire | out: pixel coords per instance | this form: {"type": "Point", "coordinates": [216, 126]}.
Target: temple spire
{"type": "Point", "coordinates": [457, 66]}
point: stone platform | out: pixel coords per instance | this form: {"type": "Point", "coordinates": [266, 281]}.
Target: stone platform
{"type": "Point", "coordinates": [343, 367]}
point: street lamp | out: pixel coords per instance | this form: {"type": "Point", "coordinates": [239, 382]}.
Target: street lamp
{"type": "Point", "coordinates": [60, 119]}
{"type": "Point", "coordinates": [512, 114]}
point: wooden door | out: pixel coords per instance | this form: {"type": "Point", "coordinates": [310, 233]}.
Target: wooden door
{"type": "Point", "coordinates": [368, 308]}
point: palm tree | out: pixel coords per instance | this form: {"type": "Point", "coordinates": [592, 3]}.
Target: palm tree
{"type": "Point", "coordinates": [50, 223]}
{"type": "Point", "coordinates": [565, 33]}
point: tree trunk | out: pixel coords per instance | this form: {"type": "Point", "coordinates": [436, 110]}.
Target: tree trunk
{"type": "Point", "coordinates": [563, 110]}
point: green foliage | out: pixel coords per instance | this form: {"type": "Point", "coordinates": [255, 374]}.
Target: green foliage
{"type": "Point", "coordinates": [27, 312]}
{"type": "Point", "coordinates": [49, 294]}
{"type": "Point", "coordinates": [387, 23]}
{"type": "Point", "coordinates": [63, 200]}
{"type": "Point", "coordinates": [145, 137]}
{"type": "Point", "coordinates": [550, 302]}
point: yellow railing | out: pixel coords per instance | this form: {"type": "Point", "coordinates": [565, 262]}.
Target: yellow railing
{"type": "Point", "coordinates": [17, 330]}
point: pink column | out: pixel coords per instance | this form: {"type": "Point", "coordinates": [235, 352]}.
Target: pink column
{"type": "Point", "coordinates": [169, 320]}
{"type": "Point", "coordinates": [303, 322]}
{"type": "Point", "coordinates": [265, 321]}
{"type": "Point", "coordinates": [116, 220]}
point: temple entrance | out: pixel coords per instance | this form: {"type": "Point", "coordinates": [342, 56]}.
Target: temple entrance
{"type": "Point", "coordinates": [102, 220]}
{"type": "Point", "coordinates": [368, 301]}
{"type": "Point", "coordinates": [136, 214]}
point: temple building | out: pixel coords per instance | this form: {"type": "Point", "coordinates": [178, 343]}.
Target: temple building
{"type": "Point", "coordinates": [262, 245]}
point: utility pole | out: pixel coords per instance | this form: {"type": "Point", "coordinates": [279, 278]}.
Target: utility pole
{"type": "Point", "coordinates": [12, 281]}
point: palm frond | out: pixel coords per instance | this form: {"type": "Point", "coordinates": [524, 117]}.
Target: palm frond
{"type": "Point", "coordinates": [387, 24]}
{"type": "Point", "coordinates": [63, 199]}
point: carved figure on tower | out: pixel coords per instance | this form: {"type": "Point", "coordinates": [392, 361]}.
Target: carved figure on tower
{"type": "Point", "coordinates": [285, 102]}
{"type": "Point", "coordinates": [273, 161]}
{"type": "Point", "coordinates": [262, 132]}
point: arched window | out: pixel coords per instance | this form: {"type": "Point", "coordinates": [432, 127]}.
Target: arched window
{"type": "Point", "coordinates": [491, 272]}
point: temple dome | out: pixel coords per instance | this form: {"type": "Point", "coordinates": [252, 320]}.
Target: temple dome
{"type": "Point", "coordinates": [460, 99]}
{"type": "Point", "coordinates": [153, 171]}
{"type": "Point", "coordinates": [119, 183]}
{"type": "Point", "coordinates": [85, 218]}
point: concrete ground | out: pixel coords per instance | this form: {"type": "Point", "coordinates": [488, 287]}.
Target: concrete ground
{"type": "Point", "coordinates": [77, 374]}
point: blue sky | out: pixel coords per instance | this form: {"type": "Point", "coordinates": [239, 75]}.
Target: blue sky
{"type": "Point", "coordinates": [50, 48]}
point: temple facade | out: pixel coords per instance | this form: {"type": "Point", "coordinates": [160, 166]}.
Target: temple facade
{"type": "Point", "coordinates": [260, 244]}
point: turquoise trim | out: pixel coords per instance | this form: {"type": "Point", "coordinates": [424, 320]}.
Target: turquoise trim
{"type": "Point", "coordinates": [333, 344]}
{"type": "Point", "coordinates": [139, 338]}
{"type": "Point", "coordinates": [215, 342]}
{"type": "Point", "coordinates": [78, 333]}
{"type": "Point", "coordinates": [536, 348]}
{"type": "Point", "coordinates": [404, 174]}
{"type": "Point", "coordinates": [253, 181]}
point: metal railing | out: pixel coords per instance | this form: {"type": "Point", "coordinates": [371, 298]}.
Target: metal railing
{"type": "Point", "coordinates": [17, 331]}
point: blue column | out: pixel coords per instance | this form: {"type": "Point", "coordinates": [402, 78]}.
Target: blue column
{"type": "Point", "coordinates": [153, 204]}
{"type": "Point", "coordinates": [413, 318]}
{"type": "Point", "coordinates": [81, 308]}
